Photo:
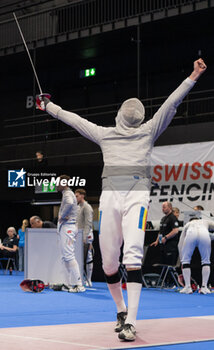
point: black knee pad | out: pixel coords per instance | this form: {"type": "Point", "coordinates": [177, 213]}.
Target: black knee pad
{"type": "Point", "coordinates": [113, 278]}
{"type": "Point", "coordinates": [134, 276]}
{"type": "Point", "coordinates": [186, 266]}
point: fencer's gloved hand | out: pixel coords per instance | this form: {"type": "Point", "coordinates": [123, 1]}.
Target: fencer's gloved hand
{"type": "Point", "coordinates": [42, 100]}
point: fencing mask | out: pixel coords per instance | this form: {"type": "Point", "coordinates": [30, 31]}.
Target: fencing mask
{"type": "Point", "coordinates": [130, 115]}
{"type": "Point", "coordinates": [35, 286]}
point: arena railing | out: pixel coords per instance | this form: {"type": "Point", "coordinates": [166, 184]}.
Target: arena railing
{"type": "Point", "coordinates": [81, 17]}
{"type": "Point", "coordinates": [197, 107]}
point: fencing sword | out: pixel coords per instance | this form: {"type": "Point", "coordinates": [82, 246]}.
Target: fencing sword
{"type": "Point", "coordinates": [27, 50]}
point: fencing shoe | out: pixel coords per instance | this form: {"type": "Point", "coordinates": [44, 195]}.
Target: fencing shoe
{"type": "Point", "coordinates": [128, 332]}
{"type": "Point", "coordinates": [204, 290]}
{"type": "Point", "coordinates": [186, 290]}
{"type": "Point", "coordinates": [76, 289]}
{"type": "Point", "coordinates": [121, 317]}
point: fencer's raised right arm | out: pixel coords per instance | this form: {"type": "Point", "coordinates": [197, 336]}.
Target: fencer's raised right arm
{"type": "Point", "coordinates": [199, 68]}
{"type": "Point", "coordinates": [87, 129]}
{"type": "Point", "coordinates": [166, 112]}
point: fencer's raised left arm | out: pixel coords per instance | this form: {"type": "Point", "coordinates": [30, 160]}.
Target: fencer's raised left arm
{"type": "Point", "coordinates": [166, 112]}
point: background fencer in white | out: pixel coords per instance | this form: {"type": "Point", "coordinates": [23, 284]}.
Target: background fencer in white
{"type": "Point", "coordinates": [124, 201]}
{"type": "Point", "coordinates": [195, 234]}
{"type": "Point", "coordinates": [85, 225]}
{"type": "Point", "coordinates": [67, 230]}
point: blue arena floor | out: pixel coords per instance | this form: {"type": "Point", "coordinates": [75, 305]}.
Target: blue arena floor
{"type": "Point", "coordinates": [22, 309]}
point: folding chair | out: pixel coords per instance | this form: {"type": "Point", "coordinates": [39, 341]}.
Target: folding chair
{"type": "Point", "coordinates": [9, 262]}
{"type": "Point", "coordinates": [168, 270]}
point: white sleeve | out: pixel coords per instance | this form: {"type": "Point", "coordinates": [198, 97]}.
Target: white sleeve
{"type": "Point", "coordinates": [67, 204]}
{"type": "Point", "coordinates": [166, 112]}
{"type": "Point", "coordinates": [87, 129]}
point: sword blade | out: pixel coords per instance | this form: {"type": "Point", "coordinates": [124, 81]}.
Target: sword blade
{"type": "Point", "coordinates": [27, 50]}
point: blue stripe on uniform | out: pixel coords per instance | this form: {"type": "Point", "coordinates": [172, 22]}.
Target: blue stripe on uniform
{"type": "Point", "coordinates": [140, 225]}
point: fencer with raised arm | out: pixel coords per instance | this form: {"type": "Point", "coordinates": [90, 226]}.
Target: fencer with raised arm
{"type": "Point", "coordinates": [124, 200]}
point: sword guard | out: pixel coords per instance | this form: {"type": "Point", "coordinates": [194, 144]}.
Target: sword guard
{"type": "Point", "coordinates": [40, 101]}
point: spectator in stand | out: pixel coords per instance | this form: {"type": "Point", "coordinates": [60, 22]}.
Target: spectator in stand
{"type": "Point", "coordinates": [21, 237]}
{"type": "Point", "coordinates": [41, 160]}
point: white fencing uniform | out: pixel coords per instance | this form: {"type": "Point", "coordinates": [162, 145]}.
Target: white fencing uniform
{"type": "Point", "coordinates": [123, 218]}
{"type": "Point", "coordinates": [195, 234]}
{"type": "Point", "coordinates": [67, 233]}
{"type": "Point", "coordinates": [67, 228]}
{"type": "Point", "coordinates": [85, 225]}
{"type": "Point", "coordinates": [126, 152]}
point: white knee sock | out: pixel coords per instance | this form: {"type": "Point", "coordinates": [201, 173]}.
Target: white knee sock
{"type": "Point", "coordinates": [73, 272]}
{"type": "Point", "coordinates": [133, 290]}
{"type": "Point", "coordinates": [89, 270]}
{"type": "Point", "coordinates": [205, 275]}
{"type": "Point", "coordinates": [186, 274]}
{"type": "Point", "coordinates": [116, 292]}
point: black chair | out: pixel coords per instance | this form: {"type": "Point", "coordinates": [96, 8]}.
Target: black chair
{"type": "Point", "coordinates": [10, 261]}
{"type": "Point", "coordinates": [168, 270]}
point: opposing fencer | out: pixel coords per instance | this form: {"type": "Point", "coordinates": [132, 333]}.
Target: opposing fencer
{"type": "Point", "coordinates": [196, 234]}
{"type": "Point", "coordinates": [124, 200]}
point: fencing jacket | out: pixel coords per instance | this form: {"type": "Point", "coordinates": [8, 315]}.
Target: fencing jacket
{"type": "Point", "coordinates": [85, 218]}
{"type": "Point", "coordinates": [68, 207]}
{"type": "Point", "coordinates": [126, 151]}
